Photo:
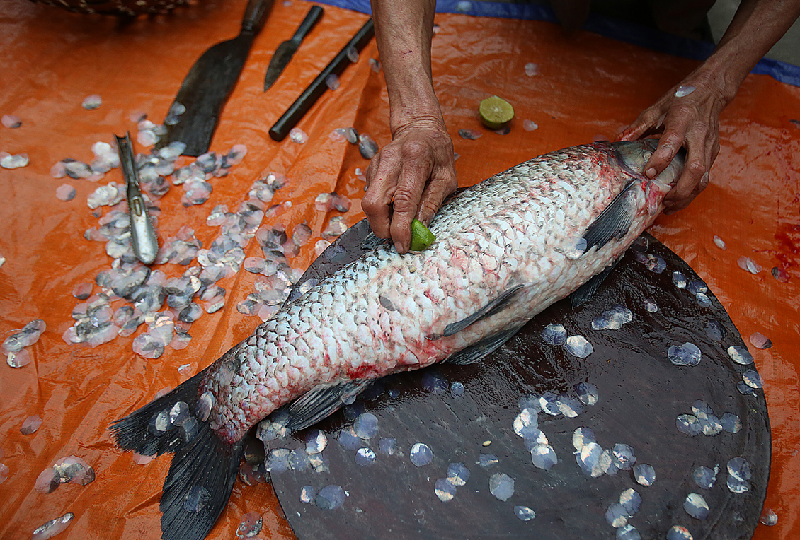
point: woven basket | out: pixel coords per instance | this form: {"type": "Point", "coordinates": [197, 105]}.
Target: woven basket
{"type": "Point", "coordinates": [123, 8]}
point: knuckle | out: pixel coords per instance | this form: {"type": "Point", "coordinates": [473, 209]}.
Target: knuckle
{"type": "Point", "coordinates": [390, 153]}
{"type": "Point", "coordinates": [681, 192]}
{"type": "Point", "coordinates": [683, 110]}
{"type": "Point", "coordinates": [371, 204]}
{"type": "Point", "coordinates": [414, 150]}
{"type": "Point", "coordinates": [696, 168]}
{"type": "Point", "coordinates": [405, 199]}
{"type": "Point", "coordinates": [427, 209]}
{"type": "Point", "coordinates": [671, 140]}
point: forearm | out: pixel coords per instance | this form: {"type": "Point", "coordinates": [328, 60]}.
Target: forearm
{"type": "Point", "coordinates": [756, 27]}
{"type": "Point", "coordinates": [404, 30]}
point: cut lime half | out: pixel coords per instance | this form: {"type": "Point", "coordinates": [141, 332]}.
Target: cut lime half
{"type": "Point", "coordinates": [421, 236]}
{"type": "Point", "coordinates": [496, 112]}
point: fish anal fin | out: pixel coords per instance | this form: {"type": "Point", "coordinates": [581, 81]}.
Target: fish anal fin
{"type": "Point", "coordinates": [587, 290]}
{"type": "Point", "coordinates": [321, 402]}
{"type": "Point", "coordinates": [492, 308]}
{"type": "Point", "coordinates": [614, 221]}
{"type": "Point", "coordinates": [477, 351]}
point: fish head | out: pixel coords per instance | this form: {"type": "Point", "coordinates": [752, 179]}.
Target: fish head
{"type": "Point", "coordinates": [633, 156]}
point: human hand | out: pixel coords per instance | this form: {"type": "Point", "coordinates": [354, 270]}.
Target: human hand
{"type": "Point", "coordinates": [409, 178]}
{"type": "Point", "coordinates": [690, 121]}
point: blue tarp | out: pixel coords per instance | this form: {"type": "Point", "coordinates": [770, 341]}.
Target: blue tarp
{"type": "Point", "coordinates": [605, 26]}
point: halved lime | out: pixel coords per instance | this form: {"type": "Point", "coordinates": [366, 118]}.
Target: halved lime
{"type": "Point", "coordinates": [421, 236]}
{"type": "Point", "coordinates": [496, 112]}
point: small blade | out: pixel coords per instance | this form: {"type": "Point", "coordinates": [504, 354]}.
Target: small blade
{"type": "Point", "coordinates": [279, 60]}
{"type": "Point", "coordinates": [286, 50]}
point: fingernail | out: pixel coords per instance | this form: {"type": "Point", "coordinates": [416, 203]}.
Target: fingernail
{"type": "Point", "coordinates": [650, 173]}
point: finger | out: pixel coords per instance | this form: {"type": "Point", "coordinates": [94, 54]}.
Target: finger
{"type": "Point", "coordinates": [694, 178]}
{"type": "Point", "coordinates": [417, 166]}
{"type": "Point", "coordinates": [377, 201]}
{"type": "Point", "coordinates": [650, 118]}
{"type": "Point", "coordinates": [668, 145]}
{"type": "Point", "coordinates": [437, 190]}
{"type": "Point", "coordinates": [371, 170]}
{"type": "Point", "coordinates": [702, 143]}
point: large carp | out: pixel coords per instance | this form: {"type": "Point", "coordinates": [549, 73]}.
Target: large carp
{"type": "Point", "coordinates": [505, 249]}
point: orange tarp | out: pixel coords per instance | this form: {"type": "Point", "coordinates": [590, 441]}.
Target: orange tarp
{"type": "Point", "coordinates": [588, 86]}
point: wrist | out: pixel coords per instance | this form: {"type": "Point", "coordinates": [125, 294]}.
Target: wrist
{"type": "Point", "coordinates": [413, 101]}
{"type": "Point", "coordinates": [420, 123]}
{"type": "Point", "coordinates": [720, 79]}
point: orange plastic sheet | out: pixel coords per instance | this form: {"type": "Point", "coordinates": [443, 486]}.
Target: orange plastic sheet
{"type": "Point", "coordinates": [587, 87]}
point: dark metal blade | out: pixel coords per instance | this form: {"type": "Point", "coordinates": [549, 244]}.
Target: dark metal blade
{"type": "Point", "coordinates": [310, 95]}
{"type": "Point", "coordinates": [210, 82]}
{"type": "Point", "coordinates": [203, 93]}
{"type": "Point", "coordinates": [279, 60]}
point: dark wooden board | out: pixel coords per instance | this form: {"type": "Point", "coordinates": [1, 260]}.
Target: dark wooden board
{"type": "Point", "coordinates": [641, 393]}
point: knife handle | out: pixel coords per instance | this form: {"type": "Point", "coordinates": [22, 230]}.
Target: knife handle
{"type": "Point", "coordinates": [302, 104]}
{"type": "Point", "coordinates": [308, 23]}
{"type": "Point", "coordinates": [255, 14]}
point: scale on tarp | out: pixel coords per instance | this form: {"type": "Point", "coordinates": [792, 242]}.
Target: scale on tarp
{"type": "Point", "coordinates": [443, 455]}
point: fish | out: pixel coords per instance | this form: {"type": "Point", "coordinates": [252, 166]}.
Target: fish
{"type": "Point", "coordinates": [505, 249]}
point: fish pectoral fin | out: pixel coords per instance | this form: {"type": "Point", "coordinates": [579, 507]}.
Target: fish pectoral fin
{"type": "Point", "coordinates": [478, 351]}
{"type": "Point", "coordinates": [321, 402]}
{"type": "Point", "coordinates": [614, 221]}
{"type": "Point", "coordinates": [587, 290]}
{"type": "Point", "coordinates": [493, 307]}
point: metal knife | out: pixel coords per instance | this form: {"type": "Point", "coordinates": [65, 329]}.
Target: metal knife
{"type": "Point", "coordinates": [286, 49]}
{"type": "Point", "coordinates": [209, 83]}
{"type": "Point", "coordinates": [143, 236]}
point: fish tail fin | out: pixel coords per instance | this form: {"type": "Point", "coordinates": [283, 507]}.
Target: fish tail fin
{"type": "Point", "coordinates": [198, 486]}
{"type": "Point", "coordinates": [203, 469]}
{"type": "Point", "coordinates": [163, 425]}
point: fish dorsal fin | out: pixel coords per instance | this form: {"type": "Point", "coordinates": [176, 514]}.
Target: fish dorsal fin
{"type": "Point", "coordinates": [614, 221]}
{"type": "Point", "coordinates": [587, 290]}
{"type": "Point", "coordinates": [321, 402]}
{"type": "Point", "coordinates": [493, 307]}
{"type": "Point", "coordinates": [371, 242]}
{"type": "Point", "coordinates": [478, 351]}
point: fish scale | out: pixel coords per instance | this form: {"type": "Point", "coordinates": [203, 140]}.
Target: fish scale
{"type": "Point", "coordinates": [505, 249]}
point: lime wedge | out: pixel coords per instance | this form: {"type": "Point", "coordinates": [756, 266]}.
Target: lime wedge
{"type": "Point", "coordinates": [496, 112]}
{"type": "Point", "coordinates": [421, 236]}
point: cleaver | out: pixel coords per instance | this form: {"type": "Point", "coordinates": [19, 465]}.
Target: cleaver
{"type": "Point", "coordinates": [194, 114]}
